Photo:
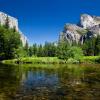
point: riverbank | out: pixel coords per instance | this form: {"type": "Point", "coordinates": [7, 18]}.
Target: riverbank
{"type": "Point", "coordinates": [90, 59]}
{"type": "Point", "coordinates": [52, 60]}
{"type": "Point", "coordinates": [35, 60]}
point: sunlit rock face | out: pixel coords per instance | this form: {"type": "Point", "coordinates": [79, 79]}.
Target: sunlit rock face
{"type": "Point", "coordinates": [13, 23]}
{"type": "Point", "coordinates": [88, 27]}
{"type": "Point", "coordinates": [71, 33]}
{"type": "Point", "coordinates": [88, 21]}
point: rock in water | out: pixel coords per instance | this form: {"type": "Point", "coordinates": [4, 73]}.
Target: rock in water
{"type": "Point", "coordinates": [13, 23]}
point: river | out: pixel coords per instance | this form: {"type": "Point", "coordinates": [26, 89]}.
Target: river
{"type": "Point", "coordinates": [51, 82]}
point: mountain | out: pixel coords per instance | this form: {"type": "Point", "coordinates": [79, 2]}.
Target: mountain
{"type": "Point", "coordinates": [13, 23]}
{"type": "Point", "coordinates": [88, 27]}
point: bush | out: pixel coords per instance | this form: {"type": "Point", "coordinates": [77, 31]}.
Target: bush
{"type": "Point", "coordinates": [75, 53]}
{"type": "Point", "coordinates": [97, 60]}
{"type": "Point", "coordinates": [71, 60]}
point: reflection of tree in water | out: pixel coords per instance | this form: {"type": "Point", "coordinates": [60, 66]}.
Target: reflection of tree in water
{"type": "Point", "coordinates": [76, 82]}
{"type": "Point", "coordinates": [69, 77]}
{"type": "Point", "coordinates": [71, 74]}
{"type": "Point", "coordinates": [92, 80]}
{"type": "Point", "coordinates": [9, 81]}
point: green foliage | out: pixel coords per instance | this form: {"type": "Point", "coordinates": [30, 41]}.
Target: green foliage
{"type": "Point", "coordinates": [91, 47]}
{"type": "Point", "coordinates": [75, 53]}
{"type": "Point", "coordinates": [91, 59]}
{"type": "Point", "coordinates": [62, 49]}
{"type": "Point", "coordinates": [46, 50]}
{"type": "Point", "coordinates": [71, 60]}
{"type": "Point", "coordinates": [9, 41]}
{"type": "Point", "coordinates": [97, 46]}
{"type": "Point", "coordinates": [97, 60]}
{"type": "Point", "coordinates": [66, 51]}
{"type": "Point", "coordinates": [36, 60]}
{"type": "Point", "coordinates": [20, 53]}
{"type": "Point", "coordinates": [49, 49]}
{"type": "Point", "coordinates": [40, 52]}
{"type": "Point", "coordinates": [7, 23]}
{"type": "Point", "coordinates": [30, 51]}
{"type": "Point", "coordinates": [26, 49]}
{"type": "Point", "coordinates": [34, 49]}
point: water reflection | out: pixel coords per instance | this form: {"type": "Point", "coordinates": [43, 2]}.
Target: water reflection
{"type": "Point", "coordinates": [66, 82]}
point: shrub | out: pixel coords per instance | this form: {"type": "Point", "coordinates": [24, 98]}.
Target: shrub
{"type": "Point", "coordinates": [75, 53]}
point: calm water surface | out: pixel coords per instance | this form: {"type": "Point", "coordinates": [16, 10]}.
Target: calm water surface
{"type": "Point", "coordinates": [52, 82]}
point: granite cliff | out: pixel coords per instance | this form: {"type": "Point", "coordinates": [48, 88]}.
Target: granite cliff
{"type": "Point", "coordinates": [13, 23]}
{"type": "Point", "coordinates": [88, 27]}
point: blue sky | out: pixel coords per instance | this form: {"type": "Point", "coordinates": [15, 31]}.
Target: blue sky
{"type": "Point", "coordinates": [42, 20]}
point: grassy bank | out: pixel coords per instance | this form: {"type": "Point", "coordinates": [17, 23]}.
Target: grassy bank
{"type": "Point", "coordinates": [36, 60]}
{"type": "Point", "coordinates": [52, 60]}
{"type": "Point", "coordinates": [90, 59]}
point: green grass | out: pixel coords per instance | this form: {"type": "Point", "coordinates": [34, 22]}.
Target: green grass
{"type": "Point", "coordinates": [91, 59]}
{"type": "Point", "coordinates": [52, 60]}
{"type": "Point", "coordinates": [36, 60]}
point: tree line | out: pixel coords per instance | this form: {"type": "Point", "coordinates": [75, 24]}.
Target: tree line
{"type": "Point", "coordinates": [91, 47]}
{"type": "Point", "coordinates": [63, 49]}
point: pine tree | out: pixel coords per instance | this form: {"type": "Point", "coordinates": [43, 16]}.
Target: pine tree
{"type": "Point", "coordinates": [97, 46]}
{"type": "Point", "coordinates": [7, 22]}
{"type": "Point", "coordinates": [26, 48]}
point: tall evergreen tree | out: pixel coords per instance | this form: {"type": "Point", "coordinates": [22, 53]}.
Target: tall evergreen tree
{"type": "Point", "coordinates": [9, 42]}
{"type": "Point", "coordinates": [97, 46]}
{"type": "Point", "coordinates": [7, 22]}
{"type": "Point", "coordinates": [26, 48]}
{"type": "Point", "coordinates": [89, 47]}
{"type": "Point", "coordinates": [34, 49]}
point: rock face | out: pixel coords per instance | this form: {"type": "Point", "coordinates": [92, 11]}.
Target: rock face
{"type": "Point", "coordinates": [72, 33]}
{"type": "Point", "coordinates": [88, 27]}
{"type": "Point", "coordinates": [13, 23]}
{"type": "Point", "coordinates": [88, 21]}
